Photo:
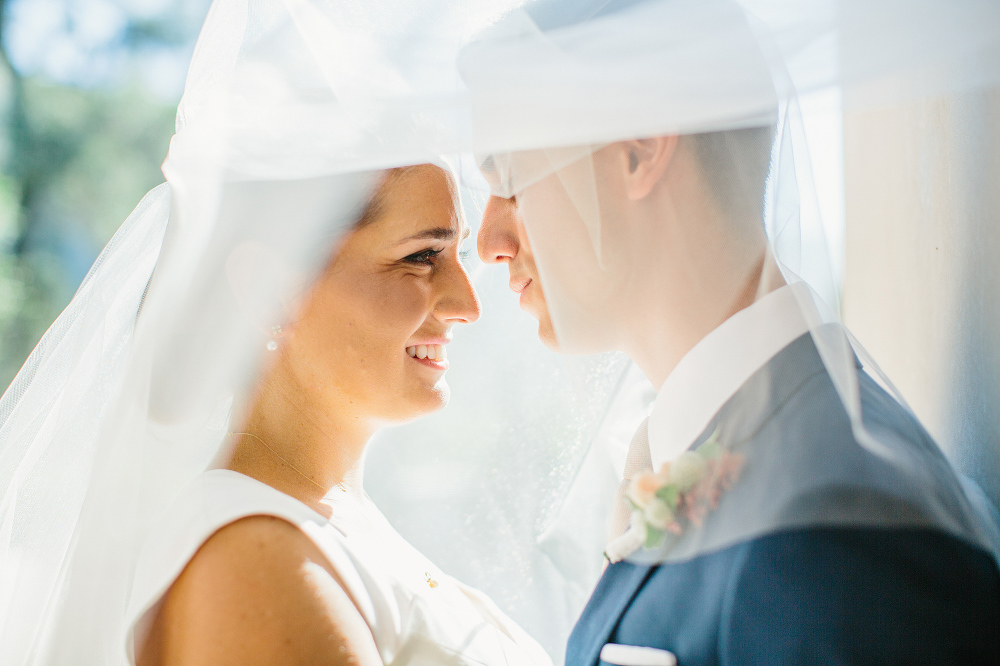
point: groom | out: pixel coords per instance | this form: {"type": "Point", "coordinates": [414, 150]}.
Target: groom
{"type": "Point", "coordinates": [821, 551]}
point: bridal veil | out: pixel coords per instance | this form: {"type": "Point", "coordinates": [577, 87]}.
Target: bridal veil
{"type": "Point", "coordinates": [290, 110]}
{"type": "Point", "coordinates": [556, 85]}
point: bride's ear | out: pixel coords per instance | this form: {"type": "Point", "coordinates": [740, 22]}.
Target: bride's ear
{"type": "Point", "coordinates": [266, 288]}
{"type": "Point", "coordinates": [645, 161]}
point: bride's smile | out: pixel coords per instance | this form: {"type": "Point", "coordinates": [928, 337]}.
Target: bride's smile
{"type": "Point", "coordinates": [367, 345]}
{"type": "Point", "coordinates": [365, 348]}
{"type": "Point", "coordinates": [373, 330]}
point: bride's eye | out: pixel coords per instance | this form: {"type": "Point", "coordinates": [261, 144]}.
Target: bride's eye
{"type": "Point", "coordinates": [424, 257]}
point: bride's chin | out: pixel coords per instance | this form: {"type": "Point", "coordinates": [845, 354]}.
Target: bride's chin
{"type": "Point", "coordinates": [427, 401]}
{"type": "Point", "coordinates": [438, 397]}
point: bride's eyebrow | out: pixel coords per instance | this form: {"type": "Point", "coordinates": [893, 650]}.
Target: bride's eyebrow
{"type": "Point", "coordinates": [437, 233]}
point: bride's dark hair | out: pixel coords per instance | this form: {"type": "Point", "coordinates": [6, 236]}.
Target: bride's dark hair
{"type": "Point", "coordinates": [376, 203]}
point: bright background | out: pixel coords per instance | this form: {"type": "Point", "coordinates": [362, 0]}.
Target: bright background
{"type": "Point", "coordinates": [88, 92]}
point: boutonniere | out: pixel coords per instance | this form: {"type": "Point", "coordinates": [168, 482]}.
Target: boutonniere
{"type": "Point", "coordinates": [681, 493]}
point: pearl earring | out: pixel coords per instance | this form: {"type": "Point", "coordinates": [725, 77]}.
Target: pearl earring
{"type": "Point", "coordinates": [275, 332]}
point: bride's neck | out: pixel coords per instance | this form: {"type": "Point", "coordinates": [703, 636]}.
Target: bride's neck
{"type": "Point", "coordinates": [295, 440]}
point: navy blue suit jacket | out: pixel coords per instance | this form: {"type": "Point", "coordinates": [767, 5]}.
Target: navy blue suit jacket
{"type": "Point", "coordinates": [817, 595]}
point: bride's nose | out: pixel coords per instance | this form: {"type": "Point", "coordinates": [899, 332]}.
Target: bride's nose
{"type": "Point", "coordinates": [458, 302]}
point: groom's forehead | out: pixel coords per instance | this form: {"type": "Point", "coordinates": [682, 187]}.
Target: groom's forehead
{"type": "Point", "coordinates": [555, 14]}
{"type": "Point", "coordinates": [495, 170]}
{"type": "Point", "coordinates": [508, 173]}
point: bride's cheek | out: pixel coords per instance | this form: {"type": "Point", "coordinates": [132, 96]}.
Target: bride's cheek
{"type": "Point", "coordinates": [410, 302]}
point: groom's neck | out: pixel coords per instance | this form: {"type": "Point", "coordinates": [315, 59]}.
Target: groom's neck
{"type": "Point", "coordinates": [665, 331]}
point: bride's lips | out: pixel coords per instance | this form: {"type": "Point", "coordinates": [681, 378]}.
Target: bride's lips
{"type": "Point", "coordinates": [430, 353]}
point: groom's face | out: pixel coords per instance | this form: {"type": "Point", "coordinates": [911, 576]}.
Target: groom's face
{"type": "Point", "coordinates": [557, 206]}
{"type": "Point", "coordinates": [502, 240]}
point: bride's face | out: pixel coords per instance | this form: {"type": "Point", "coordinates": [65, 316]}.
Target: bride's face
{"type": "Point", "coordinates": [374, 329]}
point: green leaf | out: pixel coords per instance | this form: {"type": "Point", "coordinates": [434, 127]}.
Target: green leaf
{"type": "Point", "coordinates": [669, 493]}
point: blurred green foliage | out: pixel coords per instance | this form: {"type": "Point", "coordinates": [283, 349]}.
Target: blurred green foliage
{"type": "Point", "coordinates": [75, 161]}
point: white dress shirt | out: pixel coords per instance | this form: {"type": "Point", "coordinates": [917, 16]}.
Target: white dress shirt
{"type": "Point", "coordinates": [715, 368]}
{"type": "Point", "coordinates": [711, 373]}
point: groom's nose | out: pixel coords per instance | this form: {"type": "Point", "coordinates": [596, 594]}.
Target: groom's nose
{"type": "Point", "coordinates": [498, 234]}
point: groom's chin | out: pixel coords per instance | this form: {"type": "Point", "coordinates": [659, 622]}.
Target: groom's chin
{"type": "Point", "coordinates": [547, 334]}
{"type": "Point", "coordinates": [548, 337]}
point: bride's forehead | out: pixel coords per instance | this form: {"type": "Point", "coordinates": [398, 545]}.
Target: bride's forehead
{"type": "Point", "coordinates": [420, 196]}
{"type": "Point", "coordinates": [419, 176]}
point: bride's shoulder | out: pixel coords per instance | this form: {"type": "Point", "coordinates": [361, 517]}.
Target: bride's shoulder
{"type": "Point", "coordinates": [260, 591]}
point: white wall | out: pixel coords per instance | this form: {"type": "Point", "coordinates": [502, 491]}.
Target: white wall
{"type": "Point", "coordinates": [922, 264]}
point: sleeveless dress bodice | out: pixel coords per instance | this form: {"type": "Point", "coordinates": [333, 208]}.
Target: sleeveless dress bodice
{"type": "Point", "coordinates": [417, 614]}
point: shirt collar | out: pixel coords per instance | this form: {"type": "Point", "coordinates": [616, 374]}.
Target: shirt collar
{"type": "Point", "coordinates": [715, 368]}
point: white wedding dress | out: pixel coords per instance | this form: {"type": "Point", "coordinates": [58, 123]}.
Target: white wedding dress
{"type": "Point", "coordinates": [417, 614]}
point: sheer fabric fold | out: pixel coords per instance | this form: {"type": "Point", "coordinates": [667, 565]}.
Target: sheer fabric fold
{"type": "Point", "coordinates": [557, 86]}
{"type": "Point", "coordinates": [291, 109]}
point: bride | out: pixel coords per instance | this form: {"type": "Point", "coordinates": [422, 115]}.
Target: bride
{"type": "Point", "coordinates": [278, 556]}
{"type": "Point", "coordinates": [181, 456]}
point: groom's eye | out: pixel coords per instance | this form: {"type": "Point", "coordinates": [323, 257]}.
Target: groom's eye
{"type": "Point", "coordinates": [424, 257]}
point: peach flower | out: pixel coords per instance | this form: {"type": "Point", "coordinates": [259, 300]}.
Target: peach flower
{"type": "Point", "coordinates": [643, 488]}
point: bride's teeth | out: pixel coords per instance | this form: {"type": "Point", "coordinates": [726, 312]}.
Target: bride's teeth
{"type": "Point", "coordinates": [432, 352]}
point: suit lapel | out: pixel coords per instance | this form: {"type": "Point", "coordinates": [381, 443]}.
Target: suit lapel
{"type": "Point", "coordinates": [612, 596]}
{"type": "Point", "coordinates": [744, 414]}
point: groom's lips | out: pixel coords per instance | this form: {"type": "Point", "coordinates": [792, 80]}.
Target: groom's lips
{"type": "Point", "coordinates": [525, 294]}
{"type": "Point", "coordinates": [519, 285]}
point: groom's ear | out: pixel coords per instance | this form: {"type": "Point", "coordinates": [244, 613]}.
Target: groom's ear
{"type": "Point", "coordinates": [645, 161]}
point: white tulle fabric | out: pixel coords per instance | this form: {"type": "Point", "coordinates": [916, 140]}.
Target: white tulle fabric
{"type": "Point", "coordinates": [417, 614]}
{"type": "Point", "coordinates": [51, 415]}
{"type": "Point", "coordinates": [290, 108]}
{"type": "Point", "coordinates": [556, 82]}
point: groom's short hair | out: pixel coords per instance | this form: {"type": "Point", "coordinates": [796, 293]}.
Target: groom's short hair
{"type": "Point", "coordinates": [735, 165]}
